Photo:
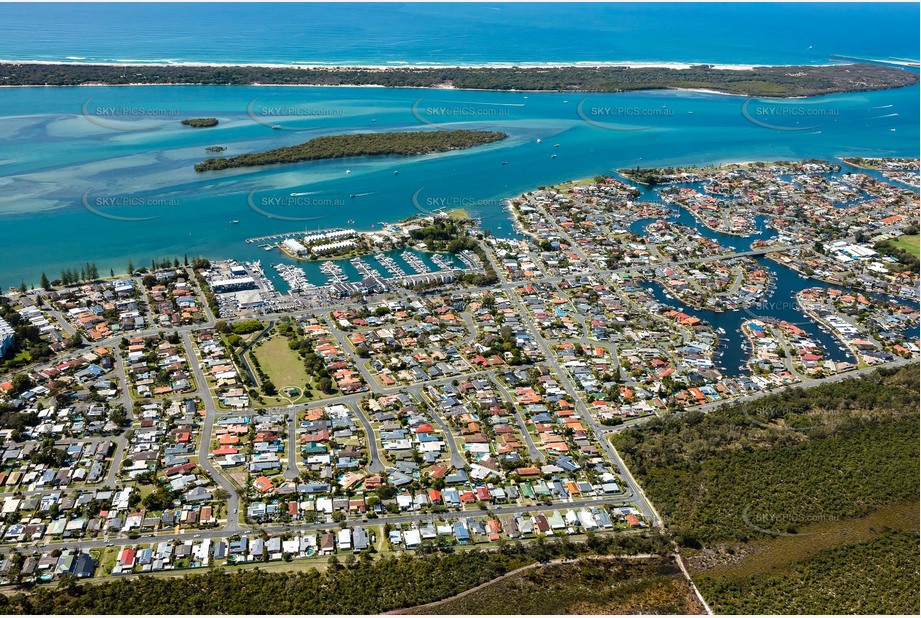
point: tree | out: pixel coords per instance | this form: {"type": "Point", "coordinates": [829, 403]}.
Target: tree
{"type": "Point", "coordinates": [130, 267]}
{"type": "Point", "coordinates": [46, 285]}
{"type": "Point", "coordinates": [21, 383]}
{"type": "Point", "coordinates": [118, 415]}
{"type": "Point", "coordinates": [159, 500]}
{"type": "Point", "coordinates": [75, 341]}
{"type": "Point", "coordinates": [325, 384]}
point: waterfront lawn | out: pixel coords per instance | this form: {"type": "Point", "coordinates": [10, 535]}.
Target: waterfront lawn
{"type": "Point", "coordinates": [909, 243]}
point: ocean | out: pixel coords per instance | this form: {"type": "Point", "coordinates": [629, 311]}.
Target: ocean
{"type": "Point", "coordinates": [448, 33]}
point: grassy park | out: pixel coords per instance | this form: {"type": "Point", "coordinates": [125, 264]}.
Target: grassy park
{"type": "Point", "coordinates": [909, 243]}
{"type": "Point", "coordinates": [283, 366]}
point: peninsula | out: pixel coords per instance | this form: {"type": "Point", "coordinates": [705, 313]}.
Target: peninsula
{"type": "Point", "coordinates": [774, 81]}
{"type": "Point", "coordinates": [405, 143]}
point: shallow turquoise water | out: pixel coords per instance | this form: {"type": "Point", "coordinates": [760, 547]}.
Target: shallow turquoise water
{"type": "Point", "coordinates": [62, 148]}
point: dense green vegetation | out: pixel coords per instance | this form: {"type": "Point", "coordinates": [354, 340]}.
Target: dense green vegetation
{"type": "Point", "coordinates": [246, 327]}
{"type": "Point", "coordinates": [605, 586]}
{"type": "Point", "coordinates": [731, 494]}
{"type": "Point", "coordinates": [797, 482]}
{"type": "Point", "coordinates": [72, 276]}
{"type": "Point", "coordinates": [200, 122]}
{"type": "Point", "coordinates": [355, 586]}
{"type": "Point", "coordinates": [875, 577]}
{"type": "Point", "coordinates": [714, 475]}
{"type": "Point", "coordinates": [874, 163]}
{"type": "Point", "coordinates": [758, 81]}
{"type": "Point", "coordinates": [405, 143]}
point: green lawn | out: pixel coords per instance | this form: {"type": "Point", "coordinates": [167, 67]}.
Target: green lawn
{"type": "Point", "coordinates": [281, 364]}
{"type": "Point", "coordinates": [908, 243]}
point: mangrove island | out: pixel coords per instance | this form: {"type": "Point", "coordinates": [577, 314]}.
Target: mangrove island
{"type": "Point", "coordinates": [405, 143]}
{"type": "Point", "coordinates": [200, 123]}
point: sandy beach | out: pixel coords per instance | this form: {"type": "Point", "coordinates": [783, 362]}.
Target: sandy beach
{"type": "Point", "coordinates": [390, 67]}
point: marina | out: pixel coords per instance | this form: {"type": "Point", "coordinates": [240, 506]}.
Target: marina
{"type": "Point", "coordinates": [390, 265]}
{"type": "Point", "coordinates": [334, 273]}
{"type": "Point", "coordinates": [294, 277]}
{"type": "Point", "coordinates": [363, 268]}
{"type": "Point", "coordinates": [442, 262]}
{"type": "Point", "coordinates": [415, 262]}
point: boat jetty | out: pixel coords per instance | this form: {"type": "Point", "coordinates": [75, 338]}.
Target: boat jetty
{"type": "Point", "coordinates": [275, 237]}
{"type": "Point", "coordinates": [334, 273]}
{"type": "Point", "coordinates": [295, 277]}
{"type": "Point", "coordinates": [390, 265]}
{"type": "Point", "coordinates": [364, 268]}
{"type": "Point", "coordinates": [442, 261]}
{"type": "Point", "coordinates": [415, 262]}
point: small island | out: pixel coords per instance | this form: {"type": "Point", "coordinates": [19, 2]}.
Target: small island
{"type": "Point", "coordinates": [216, 148]}
{"type": "Point", "coordinates": [406, 143]}
{"type": "Point", "coordinates": [200, 123]}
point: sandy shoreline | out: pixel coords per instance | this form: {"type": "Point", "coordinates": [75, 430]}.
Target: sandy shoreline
{"type": "Point", "coordinates": [433, 87]}
{"type": "Point", "coordinates": [391, 67]}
